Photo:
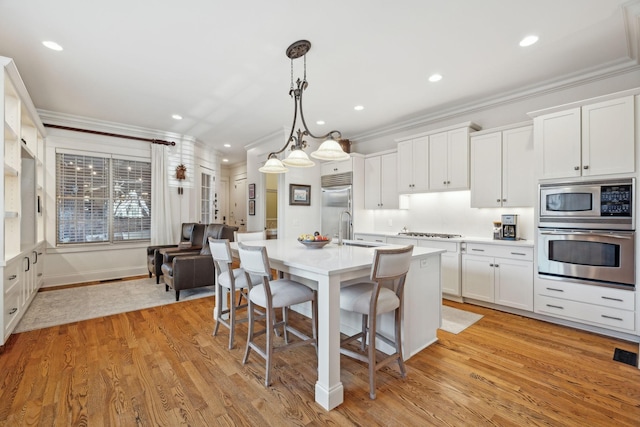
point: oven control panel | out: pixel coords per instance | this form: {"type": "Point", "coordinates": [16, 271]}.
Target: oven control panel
{"type": "Point", "coordinates": [615, 200]}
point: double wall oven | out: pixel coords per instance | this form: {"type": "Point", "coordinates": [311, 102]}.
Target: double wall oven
{"type": "Point", "coordinates": [586, 232]}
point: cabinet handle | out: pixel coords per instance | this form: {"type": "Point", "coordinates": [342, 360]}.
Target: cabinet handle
{"type": "Point", "coordinates": [36, 253]}
{"type": "Point", "coordinates": [612, 299]}
{"type": "Point", "coordinates": [498, 200]}
{"type": "Point", "coordinates": [576, 168]}
{"type": "Point", "coordinates": [39, 274]}
{"type": "Point", "coordinates": [490, 265]}
{"type": "Point", "coordinates": [13, 277]}
{"type": "Point", "coordinates": [585, 167]}
{"type": "Point", "coordinates": [13, 310]}
{"type": "Point", "coordinates": [497, 265]}
{"type": "Point", "coordinates": [611, 317]}
{"type": "Point", "coordinates": [504, 200]}
{"type": "Point", "coordinates": [477, 250]}
{"type": "Point", "coordinates": [518, 253]}
{"type": "Point", "coordinates": [28, 263]}
{"type": "Point", "coordinates": [555, 306]}
{"type": "Point", "coordinates": [556, 290]}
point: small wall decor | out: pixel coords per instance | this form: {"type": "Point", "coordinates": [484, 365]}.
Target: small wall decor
{"type": "Point", "coordinates": [181, 172]}
{"type": "Point", "coordinates": [252, 191]}
{"type": "Point", "coordinates": [252, 207]}
{"type": "Point", "coordinates": [299, 194]}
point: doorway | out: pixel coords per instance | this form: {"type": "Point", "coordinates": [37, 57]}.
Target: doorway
{"type": "Point", "coordinates": [271, 205]}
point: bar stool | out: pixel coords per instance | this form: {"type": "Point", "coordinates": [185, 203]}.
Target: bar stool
{"type": "Point", "coordinates": [228, 280]}
{"type": "Point", "coordinates": [382, 294]}
{"type": "Point", "coordinates": [272, 294]}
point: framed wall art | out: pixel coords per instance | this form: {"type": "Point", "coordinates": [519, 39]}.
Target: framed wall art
{"type": "Point", "coordinates": [252, 207]}
{"type": "Point", "coordinates": [252, 191]}
{"type": "Point", "coordinates": [299, 194]}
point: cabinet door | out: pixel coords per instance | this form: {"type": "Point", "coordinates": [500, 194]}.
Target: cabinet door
{"type": "Point", "coordinates": [478, 277]}
{"type": "Point", "coordinates": [486, 167]}
{"type": "Point", "coordinates": [420, 164]}
{"type": "Point", "coordinates": [389, 181]}
{"type": "Point", "coordinates": [608, 137]}
{"type": "Point", "coordinates": [450, 273]}
{"type": "Point", "coordinates": [438, 149]}
{"type": "Point", "coordinates": [372, 171]}
{"type": "Point", "coordinates": [458, 159]}
{"type": "Point", "coordinates": [518, 174]}
{"type": "Point", "coordinates": [514, 283]}
{"type": "Point", "coordinates": [332, 168]}
{"type": "Point", "coordinates": [405, 167]}
{"type": "Point", "coordinates": [557, 140]}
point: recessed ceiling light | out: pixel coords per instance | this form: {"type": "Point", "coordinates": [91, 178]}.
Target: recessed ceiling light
{"type": "Point", "coordinates": [227, 145]}
{"type": "Point", "coordinates": [435, 78]}
{"type": "Point", "coordinates": [528, 41]}
{"type": "Point", "coordinates": [358, 107]}
{"type": "Point", "coordinates": [225, 160]}
{"type": "Point", "coordinates": [320, 122]}
{"type": "Point", "coordinates": [52, 45]}
{"type": "Point", "coordinates": [176, 116]}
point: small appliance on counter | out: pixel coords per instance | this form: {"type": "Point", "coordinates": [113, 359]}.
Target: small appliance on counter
{"type": "Point", "coordinates": [510, 227]}
{"type": "Point", "coordinates": [497, 230]}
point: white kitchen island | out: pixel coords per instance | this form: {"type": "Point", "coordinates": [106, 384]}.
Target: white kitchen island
{"type": "Point", "coordinates": [333, 266]}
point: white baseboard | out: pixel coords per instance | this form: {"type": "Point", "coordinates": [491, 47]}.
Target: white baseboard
{"type": "Point", "coordinates": [92, 276]}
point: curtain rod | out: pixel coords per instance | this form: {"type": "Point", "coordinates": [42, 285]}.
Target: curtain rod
{"type": "Point", "coordinates": [95, 132]}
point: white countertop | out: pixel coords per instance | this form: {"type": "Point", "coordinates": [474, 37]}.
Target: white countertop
{"type": "Point", "coordinates": [463, 239]}
{"type": "Point", "coordinates": [329, 259]}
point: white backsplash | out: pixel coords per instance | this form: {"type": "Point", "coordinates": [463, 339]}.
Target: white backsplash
{"type": "Point", "coordinates": [448, 212]}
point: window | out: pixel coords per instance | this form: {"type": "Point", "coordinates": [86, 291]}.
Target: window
{"type": "Point", "coordinates": [102, 199]}
{"type": "Point", "coordinates": [205, 199]}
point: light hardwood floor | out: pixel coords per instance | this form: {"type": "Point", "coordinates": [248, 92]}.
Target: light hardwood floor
{"type": "Point", "coordinates": [162, 366]}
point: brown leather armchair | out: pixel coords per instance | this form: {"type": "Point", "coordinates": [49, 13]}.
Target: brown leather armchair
{"type": "Point", "coordinates": [188, 270]}
{"type": "Point", "coordinates": [190, 240]}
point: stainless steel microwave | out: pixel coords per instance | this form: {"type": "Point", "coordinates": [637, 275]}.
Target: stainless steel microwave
{"type": "Point", "coordinates": [606, 204]}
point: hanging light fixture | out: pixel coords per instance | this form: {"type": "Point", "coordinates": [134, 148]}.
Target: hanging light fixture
{"type": "Point", "coordinates": [330, 149]}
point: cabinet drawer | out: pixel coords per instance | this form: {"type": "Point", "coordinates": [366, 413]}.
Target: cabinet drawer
{"type": "Point", "coordinates": [598, 295]}
{"type": "Point", "coordinates": [439, 244]}
{"type": "Point", "coordinates": [586, 313]}
{"type": "Point", "coordinates": [11, 275]}
{"type": "Point", "coordinates": [502, 251]}
{"type": "Point", "coordinates": [332, 168]}
{"type": "Point", "coordinates": [11, 308]}
{"type": "Point", "coordinates": [370, 237]}
{"type": "Point", "coordinates": [402, 241]}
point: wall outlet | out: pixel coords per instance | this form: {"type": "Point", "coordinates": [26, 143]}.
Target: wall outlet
{"type": "Point", "coordinates": [390, 222]}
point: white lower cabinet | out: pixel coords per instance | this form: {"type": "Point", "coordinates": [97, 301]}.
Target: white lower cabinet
{"type": "Point", "coordinates": [450, 265]}
{"type": "Point", "coordinates": [500, 274]}
{"type": "Point", "coordinates": [370, 237]}
{"type": "Point", "coordinates": [594, 305]}
{"type": "Point", "coordinates": [22, 278]}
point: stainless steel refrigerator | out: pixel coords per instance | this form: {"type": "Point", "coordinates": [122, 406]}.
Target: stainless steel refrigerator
{"type": "Point", "coordinates": [336, 198]}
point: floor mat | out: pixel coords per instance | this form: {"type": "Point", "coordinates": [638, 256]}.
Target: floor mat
{"type": "Point", "coordinates": [625, 356]}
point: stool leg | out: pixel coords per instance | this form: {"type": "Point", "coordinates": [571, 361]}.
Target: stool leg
{"type": "Point", "coordinates": [232, 316]}
{"type": "Point", "coordinates": [218, 309]}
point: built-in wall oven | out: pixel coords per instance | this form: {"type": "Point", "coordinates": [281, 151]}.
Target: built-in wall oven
{"type": "Point", "coordinates": [586, 232]}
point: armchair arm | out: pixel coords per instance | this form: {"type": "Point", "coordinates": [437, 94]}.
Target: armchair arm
{"type": "Point", "coordinates": [151, 249]}
{"type": "Point", "coordinates": [193, 271]}
{"type": "Point", "coordinates": [169, 256]}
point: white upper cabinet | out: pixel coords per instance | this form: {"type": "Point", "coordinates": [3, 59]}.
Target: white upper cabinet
{"type": "Point", "coordinates": [413, 165]}
{"type": "Point", "coordinates": [589, 140]}
{"type": "Point", "coordinates": [333, 168]}
{"type": "Point", "coordinates": [502, 170]}
{"type": "Point", "coordinates": [449, 160]}
{"type": "Point", "coordinates": [380, 178]}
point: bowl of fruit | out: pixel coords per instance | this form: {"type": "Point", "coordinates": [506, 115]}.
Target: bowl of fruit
{"type": "Point", "coordinates": [314, 241]}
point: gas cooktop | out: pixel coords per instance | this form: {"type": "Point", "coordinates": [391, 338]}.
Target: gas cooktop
{"type": "Point", "coordinates": [438, 235]}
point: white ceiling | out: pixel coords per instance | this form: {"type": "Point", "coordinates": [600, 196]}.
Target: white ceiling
{"type": "Point", "coordinates": [222, 64]}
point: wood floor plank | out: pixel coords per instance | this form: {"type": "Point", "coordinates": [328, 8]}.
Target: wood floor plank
{"type": "Point", "coordinates": [162, 366]}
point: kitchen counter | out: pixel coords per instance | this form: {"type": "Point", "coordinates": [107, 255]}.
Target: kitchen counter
{"type": "Point", "coordinates": [463, 239]}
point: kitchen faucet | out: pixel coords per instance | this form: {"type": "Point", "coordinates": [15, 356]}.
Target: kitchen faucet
{"type": "Point", "coordinates": [340, 225]}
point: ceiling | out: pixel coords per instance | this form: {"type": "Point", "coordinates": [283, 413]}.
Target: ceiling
{"type": "Point", "coordinates": [222, 65]}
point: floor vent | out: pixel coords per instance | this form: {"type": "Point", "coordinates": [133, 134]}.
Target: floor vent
{"type": "Point", "coordinates": [625, 356]}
